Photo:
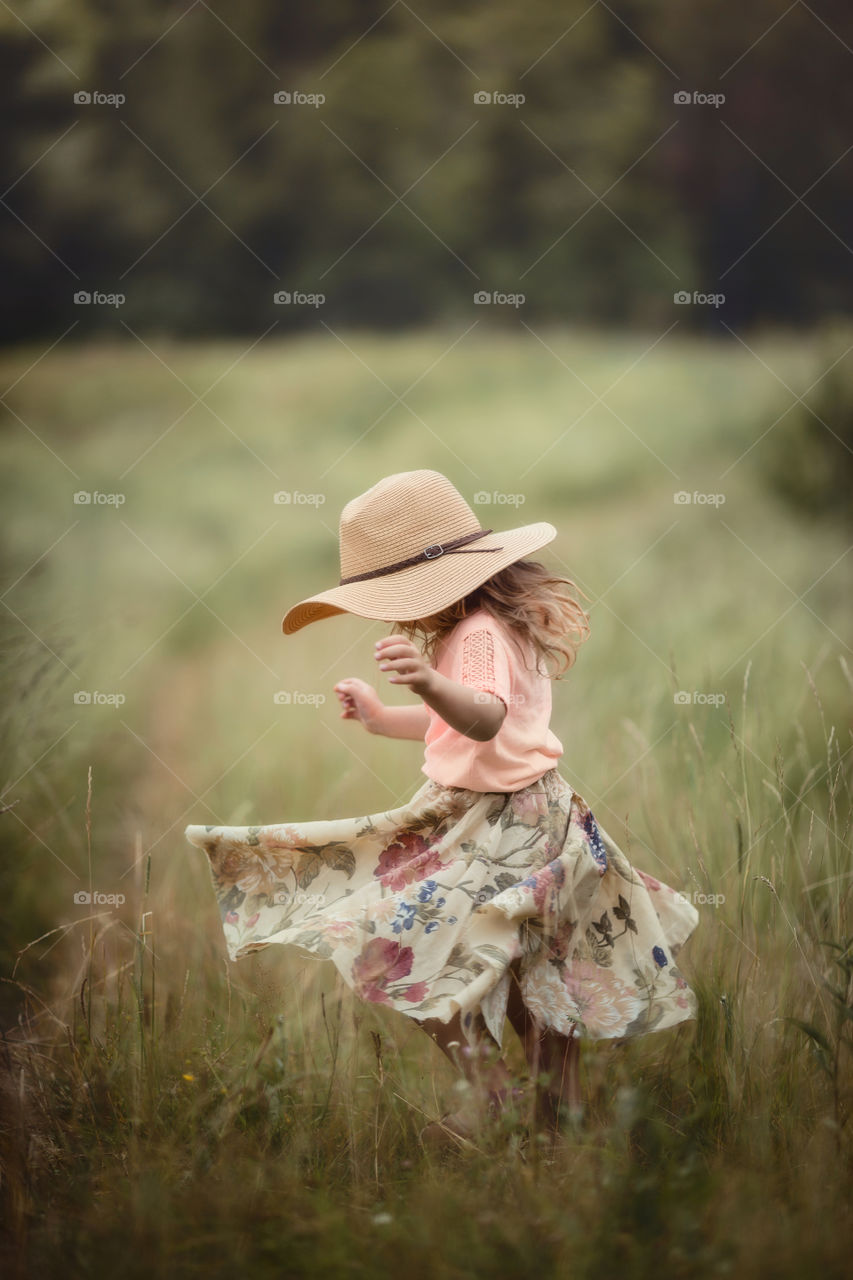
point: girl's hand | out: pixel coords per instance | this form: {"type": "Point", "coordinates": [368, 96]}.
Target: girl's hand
{"type": "Point", "coordinates": [396, 653]}
{"type": "Point", "coordinates": [360, 701]}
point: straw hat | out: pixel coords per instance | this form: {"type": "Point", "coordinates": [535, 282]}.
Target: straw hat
{"type": "Point", "coordinates": [411, 546]}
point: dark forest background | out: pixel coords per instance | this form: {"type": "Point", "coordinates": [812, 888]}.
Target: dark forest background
{"type": "Point", "coordinates": [598, 197]}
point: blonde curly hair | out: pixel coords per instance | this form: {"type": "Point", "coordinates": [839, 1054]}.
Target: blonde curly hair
{"type": "Point", "coordinates": [531, 602]}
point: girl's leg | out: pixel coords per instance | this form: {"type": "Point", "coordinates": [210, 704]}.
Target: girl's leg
{"type": "Point", "coordinates": [492, 1077]}
{"type": "Point", "coordinates": [549, 1054]}
{"type": "Point", "coordinates": [562, 1066]}
{"type": "Point", "coordinates": [450, 1038]}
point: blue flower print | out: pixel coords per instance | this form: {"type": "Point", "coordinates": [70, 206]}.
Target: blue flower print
{"type": "Point", "coordinates": [659, 956]}
{"type": "Point", "coordinates": [426, 890]}
{"type": "Point", "coordinates": [432, 926]}
{"type": "Point", "coordinates": [592, 834]}
{"type": "Point", "coordinates": [558, 871]}
{"type": "Point", "coordinates": [404, 918]}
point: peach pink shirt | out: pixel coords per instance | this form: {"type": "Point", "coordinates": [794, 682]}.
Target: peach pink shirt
{"type": "Point", "coordinates": [481, 654]}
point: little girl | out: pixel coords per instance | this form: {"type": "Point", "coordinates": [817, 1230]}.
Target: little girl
{"type": "Point", "coordinates": [492, 893]}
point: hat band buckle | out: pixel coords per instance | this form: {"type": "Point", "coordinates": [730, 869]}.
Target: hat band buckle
{"type": "Point", "coordinates": [454, 546]}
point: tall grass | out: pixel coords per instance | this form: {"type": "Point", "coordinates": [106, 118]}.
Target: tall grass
{"type": "Point", "coordinates": [189, 1116]}
{"type": "Point", "coordinates": [166, 1112]}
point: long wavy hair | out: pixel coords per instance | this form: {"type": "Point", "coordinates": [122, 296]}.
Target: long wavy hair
{"type": "Point", "coordinates": [533, 604]}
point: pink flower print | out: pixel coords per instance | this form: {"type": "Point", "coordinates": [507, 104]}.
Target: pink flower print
{"type": "Point", "coordinates": [415, 992]}
{"type": "Point", "coordinates": [383, 910]}
{"type": "Point", "coordinates": [529, 806]}
{"type": "Point", "coordinates": [406, 859]}
{"type": "Point", "coordinates": [279, 837]}
{"type": "Point", "coordinates": [548, 1001]}
{"type": "Point", "coordinates": [562, 937]}
{"type": "Point", "coordinates": [545, 884]}
{"type": "Point", "coordinates": [648, 881]}
{"type": "Point", "coordinates": [340, 931]}
{"type": "Point", "coordinates": [381, 961]}
{"type": "Point", "coordinates": [232, 918]}
{"type": "Point", "coordinates": [602, 1001]}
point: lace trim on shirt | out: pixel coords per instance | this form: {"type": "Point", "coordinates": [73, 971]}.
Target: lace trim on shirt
{"type": "Point", "coordinates": [478, 661]}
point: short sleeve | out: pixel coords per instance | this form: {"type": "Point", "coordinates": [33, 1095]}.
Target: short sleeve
{"type": "Point", "coordinates": [484, 664]}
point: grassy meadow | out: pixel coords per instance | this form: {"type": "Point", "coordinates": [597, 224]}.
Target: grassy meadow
{"type": "Point", "coordinates": [166, 1112]}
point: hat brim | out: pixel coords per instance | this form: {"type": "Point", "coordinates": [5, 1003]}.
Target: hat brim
{"type": "Point", "coordinates": [424, 588]}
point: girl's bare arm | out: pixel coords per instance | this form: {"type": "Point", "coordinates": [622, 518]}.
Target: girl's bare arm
{"type": "Point", "coordinates": [475, 714]}
{"type": "Point", "coordinates": [360, 701]}
{"type": "Point", "coordinates": [472, 712]}
{"type": "Point", "coordinates": [403, 722]}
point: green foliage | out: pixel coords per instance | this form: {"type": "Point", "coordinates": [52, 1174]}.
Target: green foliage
{"type": "Point", "coordinates": [833, 1046]}
{"type": "Point", "coordinates": [400, 196]}
{"type": "Point", "coordinates": [811, 459]}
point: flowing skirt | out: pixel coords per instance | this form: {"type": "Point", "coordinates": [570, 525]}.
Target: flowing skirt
{"type": "Point", "coordinates": [424, 908]}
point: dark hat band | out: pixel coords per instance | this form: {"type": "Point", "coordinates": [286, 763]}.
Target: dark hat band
{"type": "Point", "coordinates": [432, 552]}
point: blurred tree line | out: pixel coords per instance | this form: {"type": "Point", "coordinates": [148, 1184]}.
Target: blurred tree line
{"type": "Point", "coordinates": [399, 196]}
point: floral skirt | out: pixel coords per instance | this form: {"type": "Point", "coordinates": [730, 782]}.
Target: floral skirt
{"type": "Point", "coordinates": [424, 908]}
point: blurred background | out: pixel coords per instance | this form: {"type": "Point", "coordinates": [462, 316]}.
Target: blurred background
{"type": "Point", "coordinates": [591, 261]}
{"type": "Point", "coordinates": [597, 159]}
